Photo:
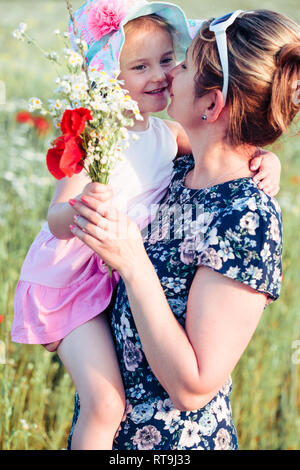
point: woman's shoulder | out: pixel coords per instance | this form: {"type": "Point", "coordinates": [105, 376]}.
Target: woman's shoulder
{"type": "Point", "coordinates": [238, 232]}
{"type": "Point", "coordinates": [243, 195]}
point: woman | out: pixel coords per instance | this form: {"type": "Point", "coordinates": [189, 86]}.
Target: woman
{"type": "Point", "coordinates": [190, 298]}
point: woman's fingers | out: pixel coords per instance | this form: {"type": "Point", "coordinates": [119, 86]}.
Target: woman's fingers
{"type": "Point", "coordinates": [107, 211]}
{"type": "Point", "coordinates": [93, 242]}
{"type": "Point", "coordinates": [89, 208]}
{"type": "Point", "coordinates": [98, 231]}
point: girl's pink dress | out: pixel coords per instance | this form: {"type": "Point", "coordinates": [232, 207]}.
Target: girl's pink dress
{"type": "Point", "coordinates": [63, 283]}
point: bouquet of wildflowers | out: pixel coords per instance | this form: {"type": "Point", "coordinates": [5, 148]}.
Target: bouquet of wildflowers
{"type": "Point", "coordinates": [91, 109]}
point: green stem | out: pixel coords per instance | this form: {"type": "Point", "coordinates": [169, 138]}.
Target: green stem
{"type": "Point", "coordinates": [33, 41]}
{"type": "Point", "coordinates": [70, 10]}
{"type": "Point", "coordinates": [36, 44]}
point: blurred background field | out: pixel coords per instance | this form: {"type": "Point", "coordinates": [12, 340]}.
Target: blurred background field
{"type": "Point", "coordinates": [36, 398]}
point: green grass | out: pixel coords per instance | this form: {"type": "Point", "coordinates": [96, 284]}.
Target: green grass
{"type": "Point", "coordinates": [36, 395]}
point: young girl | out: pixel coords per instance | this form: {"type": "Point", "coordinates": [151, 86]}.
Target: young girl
{"type": "Point", "coordinates": [64, 286]}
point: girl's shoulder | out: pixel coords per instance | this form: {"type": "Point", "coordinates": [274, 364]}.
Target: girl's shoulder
{"type": "Point", "coordinates": [174, 126]}
{"type": "Point", "coordinates": [183, 142]}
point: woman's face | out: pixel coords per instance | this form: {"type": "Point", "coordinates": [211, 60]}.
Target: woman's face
{"type": "Point", "coordinates": [181, 86]}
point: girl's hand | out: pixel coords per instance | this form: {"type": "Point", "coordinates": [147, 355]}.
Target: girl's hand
{"type": "Point", "coordinates": [109, 233]}
{"type": "Point", "coordinates": [101, 192]}
{"type": "Point", "coordinates": [268, 168]}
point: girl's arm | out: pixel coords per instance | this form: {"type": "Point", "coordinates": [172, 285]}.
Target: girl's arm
{"type": "Point", "coordinates": [60, 213]}
{"type": "Point", "coordinates": [267, 164]}
{"type": "Point", "coordinates": [191, 363]}
{"type": "Point", "coordinates": [183, 142]}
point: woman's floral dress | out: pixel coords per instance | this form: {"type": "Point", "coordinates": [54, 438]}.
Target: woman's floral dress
{"type": "Point", "coordinates": [233, 228]}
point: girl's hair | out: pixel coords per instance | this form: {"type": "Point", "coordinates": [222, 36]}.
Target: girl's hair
{"type": "Point", "coordinates": [264, 74]}
{"type": "Point", "coordinates": [146, 21]}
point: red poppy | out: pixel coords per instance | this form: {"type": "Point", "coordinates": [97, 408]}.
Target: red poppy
{"type": "Point", "coordinates": [24, 116]}
{"type": "Point", "coordinates": [41, 124]}
{"type": "Point", "coordinates": [65, 159]}
{"type": "Point", "coordinates": [74, 120]}
{"type": "Point", "coordinates": [1, 318]}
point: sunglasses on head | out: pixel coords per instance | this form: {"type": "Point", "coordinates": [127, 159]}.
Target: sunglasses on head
{"type": "Point", "coordinates": [219, 27]}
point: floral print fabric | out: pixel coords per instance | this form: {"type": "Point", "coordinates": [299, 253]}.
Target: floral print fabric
{"type": "Point", "coordinates": [232, 228]}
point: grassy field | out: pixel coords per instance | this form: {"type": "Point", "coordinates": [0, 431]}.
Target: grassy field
{"type": "Point", "coordinates": [36, 395]}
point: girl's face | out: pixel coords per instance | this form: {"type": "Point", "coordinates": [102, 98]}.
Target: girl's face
{"type": "Point", "coordinates": [181, 86]}
{"type": "Point", "coordinates": [147, 56]}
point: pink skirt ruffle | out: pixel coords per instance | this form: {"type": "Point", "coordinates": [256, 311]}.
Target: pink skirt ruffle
{"type": "Point", "coordinates": [62, 285]}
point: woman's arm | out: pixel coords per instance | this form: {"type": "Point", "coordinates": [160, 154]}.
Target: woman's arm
{"type": "Point", "coordinates": [192, 363]}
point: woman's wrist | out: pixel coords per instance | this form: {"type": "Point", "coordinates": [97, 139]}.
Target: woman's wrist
{"type": "Point", "coordinates": [132, 272]}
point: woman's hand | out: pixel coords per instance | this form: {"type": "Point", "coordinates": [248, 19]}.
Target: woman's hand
{"type": "Point", "coordinates": [109, 233]}
{"type": "Point", "coordinates": [60, 214]}
{"type": "Point", "coordinates": [268, 168]}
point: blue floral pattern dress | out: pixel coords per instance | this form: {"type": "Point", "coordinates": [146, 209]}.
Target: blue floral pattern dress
{"type": "Point", "coordinates": [233, 228]}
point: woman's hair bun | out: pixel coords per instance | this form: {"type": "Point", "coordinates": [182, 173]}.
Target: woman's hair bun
{"type": "Point", "coordinates": [288, 55]}
{"type": "Point", "coordinates": [285, 103]}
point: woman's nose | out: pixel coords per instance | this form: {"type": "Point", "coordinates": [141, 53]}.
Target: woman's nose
{"type": "Point", "coordinates": [169, 78]}
{"type": "Point", "coordinates": [171, 74]}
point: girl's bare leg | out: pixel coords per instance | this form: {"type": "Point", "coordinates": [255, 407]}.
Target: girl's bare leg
{"type": "Point", "coordinates": [89, 355]}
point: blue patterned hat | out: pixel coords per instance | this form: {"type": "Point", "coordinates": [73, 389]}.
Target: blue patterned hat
{"type": "Point", "coordinates": [101, 24]}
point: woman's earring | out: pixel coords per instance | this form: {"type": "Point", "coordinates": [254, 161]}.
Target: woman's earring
{"type": "Point", "coordinates": [204, 117]}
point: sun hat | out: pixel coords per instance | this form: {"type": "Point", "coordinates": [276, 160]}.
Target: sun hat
{"type": "Point", "coordinates": [100, 23]}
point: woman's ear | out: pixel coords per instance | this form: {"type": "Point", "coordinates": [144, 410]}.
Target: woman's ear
{"type": "Point", "coordinates": [214, 105]}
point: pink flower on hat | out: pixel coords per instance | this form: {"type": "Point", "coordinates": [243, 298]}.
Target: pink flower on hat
{"type": "Point", "coordinates": [105, 16]}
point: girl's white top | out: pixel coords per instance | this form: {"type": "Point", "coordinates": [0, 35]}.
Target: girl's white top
{"type": "Point", "coordinates": [144, 175]}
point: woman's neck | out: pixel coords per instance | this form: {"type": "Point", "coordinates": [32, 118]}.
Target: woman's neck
{"type": "Point", "coordinates": [216, 161]}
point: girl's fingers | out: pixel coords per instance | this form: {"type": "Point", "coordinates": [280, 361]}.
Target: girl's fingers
{"type": "Point", "coordinates": [275, 191]}
{"type": "Point", "coordinates": [101, 192]}
{"type": "Point", "coordinates": [255, 162]}
{"type": "Point", "coordinates": [267, 189]}
{"type": "Point", "coordinates": [260, 176]}
{"type": "Point", "coordinates": [100, 196]}
{"type": "Point", "coordinates": [99, 188]}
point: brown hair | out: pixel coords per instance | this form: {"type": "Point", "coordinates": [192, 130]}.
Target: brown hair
{"type": "Point", "coordinates": [146, 21]}
{"type": "Point", "coordinates": [264, 70]}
